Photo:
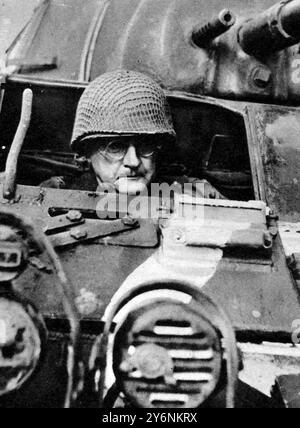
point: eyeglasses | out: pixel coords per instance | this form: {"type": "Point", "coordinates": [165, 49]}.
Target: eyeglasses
{"type": "Point", "coordinates": [117, 149]}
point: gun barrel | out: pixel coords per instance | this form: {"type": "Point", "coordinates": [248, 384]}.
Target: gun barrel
{"type": "Point", "coordinates": [204, 35]}
{"type": "Point", "coordinates": [274, 30]}
{"type": "Point", "coordinates": [290, 19]}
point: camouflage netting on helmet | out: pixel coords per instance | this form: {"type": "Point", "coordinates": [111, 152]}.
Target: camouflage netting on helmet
{"type": "Point", "coordinates": [122, 103]}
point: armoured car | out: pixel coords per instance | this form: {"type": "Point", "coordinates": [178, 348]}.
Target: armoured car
{"type": "Point", "coordinates": [196, 305]}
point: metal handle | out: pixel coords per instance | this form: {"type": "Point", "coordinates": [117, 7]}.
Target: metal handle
{"type": "Point", "coordinates": [13, 156]}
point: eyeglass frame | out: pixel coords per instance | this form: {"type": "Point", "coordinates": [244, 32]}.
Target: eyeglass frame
{"type": "Point", "coordinates": [109, 156]}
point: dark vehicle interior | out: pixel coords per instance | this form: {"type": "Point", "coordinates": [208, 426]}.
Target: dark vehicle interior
{"type": "Point", "coordinates": [211, 141]}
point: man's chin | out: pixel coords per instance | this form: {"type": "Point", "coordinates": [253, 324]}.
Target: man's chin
{"type": "Point", "coordinates": [131, 186]}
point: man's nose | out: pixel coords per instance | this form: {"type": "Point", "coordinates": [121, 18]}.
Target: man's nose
{"type": "Point", "coordinates": [131, 159]}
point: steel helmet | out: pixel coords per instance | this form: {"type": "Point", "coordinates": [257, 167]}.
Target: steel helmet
{"type": "Point", "coordinates": [121, 103]}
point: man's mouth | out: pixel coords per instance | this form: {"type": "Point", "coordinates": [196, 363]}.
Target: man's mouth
{"type": "Point", "coordinates": [132, 177]}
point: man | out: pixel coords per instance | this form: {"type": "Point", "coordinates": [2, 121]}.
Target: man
{"type": "Point", "coordinates": [123, 122]}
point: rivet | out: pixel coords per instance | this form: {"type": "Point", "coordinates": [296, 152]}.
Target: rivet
{"type": "Point", "coordinates": [78, 234]}
{"type": "Point", "coordinates": [129, 221]}
{"type": "Point", "coordinates": [261, 77]}
{"type": "Point", "coordinates": [74, 215]}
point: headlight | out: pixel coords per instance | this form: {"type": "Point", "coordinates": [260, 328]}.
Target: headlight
{"type": "Point", "coordinates": [172, 347]}
{"type": "Point", "coordinates": [167, 355]}
{"type": "Point", "coordinates": [21, 343]}
{"type": "Point", "coordinates": [23, 332]}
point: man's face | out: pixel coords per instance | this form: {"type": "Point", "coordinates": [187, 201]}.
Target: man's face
{"type": "Point", "coordinates": [127, 163]}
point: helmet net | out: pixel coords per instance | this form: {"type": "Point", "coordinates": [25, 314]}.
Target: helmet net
{"type": "Point", "coordinates": [122, 103]}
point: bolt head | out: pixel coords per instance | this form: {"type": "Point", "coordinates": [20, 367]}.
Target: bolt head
{"type": "Point", "coordinates": [178, 236]}
{"type": "Point", "coordinates": [129, 221]}
{"type": "Point", "coordinates": [78, 234]}
{"type": "Point", "coordinates": [74, 215]}
{"type": "Point", "coordinates": [262, 77]}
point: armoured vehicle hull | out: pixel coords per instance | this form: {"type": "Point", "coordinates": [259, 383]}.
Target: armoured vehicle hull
{"type": "Point", "coordinates": [235, 113]}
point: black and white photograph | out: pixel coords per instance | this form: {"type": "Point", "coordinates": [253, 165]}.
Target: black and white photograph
{"type": "Point", "coordinates": [149, 206]}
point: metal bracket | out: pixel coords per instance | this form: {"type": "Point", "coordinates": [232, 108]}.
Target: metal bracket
{"type": "Point", "coordinates": [63, 222]}
{"type": "Point", "coordinates": [89, 230]}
